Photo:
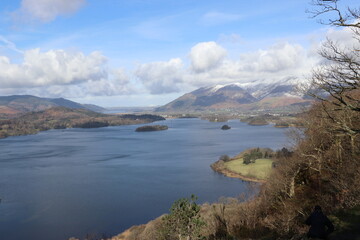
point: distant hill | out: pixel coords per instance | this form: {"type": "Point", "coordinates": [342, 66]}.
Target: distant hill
{"type": "Point", "coordinates": [20, 104]}
{"type": "Point", "coordinates": [62, 117]}
{"type": "Point", "coordinates": [248, 97]}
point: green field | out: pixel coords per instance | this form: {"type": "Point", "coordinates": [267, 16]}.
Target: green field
{"type": "Point", "coordinates": [259, 170]}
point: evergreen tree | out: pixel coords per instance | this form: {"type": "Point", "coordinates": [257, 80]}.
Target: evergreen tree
{"type": "Point", "coordinates": [183, 222]}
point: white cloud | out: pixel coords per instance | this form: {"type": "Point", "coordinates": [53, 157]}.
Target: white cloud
{"type": "Point", "coordinates": [46, 10]}
{"type": "Point", "coordinates": [277, 62]}
{"type": "Point", "coordinates": [54, 67]}
{"type": "Point", "coordinates": [218, 18]}
{"type": "Point", "coordinates": [206, 56]}
{"type": "Point", "coordinates": [69, 74]}
{"type": "Point", "coordinates": [10, 45]}
{"type": "Point", "coordinates": [116, 84]}
{"type": "Point", "coordinates": [161, 77]}
{"type": "Point", "coordinates": [344, 39]}
{"type": "Point", "coordinates": [57, 73]}
{"type": "Point", "coordinates": [279, 57]}
{"type": "Point", "coordinates": [210, 66]}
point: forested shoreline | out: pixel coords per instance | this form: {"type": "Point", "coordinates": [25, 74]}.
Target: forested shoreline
{"type": "Point", "coordinates": [61, 118]}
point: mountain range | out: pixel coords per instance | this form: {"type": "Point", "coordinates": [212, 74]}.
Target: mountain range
{"type": "Point", "coordinates": [255, 96]}
{"type": "Point", "coordinates": [20, 104]}
{"type": "Point", "coordinates": [242, 97]}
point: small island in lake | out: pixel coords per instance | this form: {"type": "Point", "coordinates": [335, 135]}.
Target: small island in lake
{"type": "Point", "coordinates": [225, 127]}
{"type": "Point", "coordinates": [149, 128]}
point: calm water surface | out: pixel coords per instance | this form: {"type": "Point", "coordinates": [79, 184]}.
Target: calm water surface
{"type": "Point", "coordinates": [64, 183]}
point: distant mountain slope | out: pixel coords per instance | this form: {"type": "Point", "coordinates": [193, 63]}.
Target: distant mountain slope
{"type": "Point", "coordinates": [19, 104]}
{"type": "Point", "coordinates": [65, 103]}
{"type": "Point", "coordinates": [94, 108]}
{"type": "Point", "coordinates": [210, 97]}
{"type": "Point", "coordinates": [255, 96]}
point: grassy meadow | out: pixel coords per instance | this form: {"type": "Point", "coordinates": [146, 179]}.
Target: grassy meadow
{"type": "Point", "coordinates": [259, 170]}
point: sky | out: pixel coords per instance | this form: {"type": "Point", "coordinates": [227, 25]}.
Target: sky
{"type": "Point", "coordinates": [149, 52]}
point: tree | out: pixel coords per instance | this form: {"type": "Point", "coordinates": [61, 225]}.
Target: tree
{"type": "Point", "coordinates": [184, 221]}
{"type": "Point", "coordinates": [325, 163]}
{"type": "Point", "coordinates": [256, 154]}
{"type": "Point", "coordinates": [284, 152]}
{"type": "Point", "coordinates": [331, 146]}
{"type": "Point", "coordinates": [225, 158]}
{"type": "Point", "coordinates": [339, 75]}
{"type": "Point", "coordinates": [247, 158]}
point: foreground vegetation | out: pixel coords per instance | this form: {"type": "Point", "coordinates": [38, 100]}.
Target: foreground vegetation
{"type": "Point", "coordinates": [61, 118]}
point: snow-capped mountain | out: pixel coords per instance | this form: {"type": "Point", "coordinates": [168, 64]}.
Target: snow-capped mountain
{"type": "Point", "coordinates": [240, 96]}
{"type": "Point", "coordinates": [284, 87]}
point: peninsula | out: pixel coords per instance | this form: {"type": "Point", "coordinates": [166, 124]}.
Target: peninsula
{"type": "Point", "coordinates": [252, 165]}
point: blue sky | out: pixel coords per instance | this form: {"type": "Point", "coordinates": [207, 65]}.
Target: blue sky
{"type": "Point", "coordinates": [148, 52]}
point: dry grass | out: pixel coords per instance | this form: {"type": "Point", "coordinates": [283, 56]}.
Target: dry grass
{"type": "Point", "coordinates": [260, 169]}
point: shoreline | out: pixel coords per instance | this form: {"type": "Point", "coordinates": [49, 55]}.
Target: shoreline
{"type": "Point", "coordinates": [219, 167]}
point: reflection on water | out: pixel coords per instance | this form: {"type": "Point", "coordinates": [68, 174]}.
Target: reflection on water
{"type": "Point", "coordinates": [64, 183]}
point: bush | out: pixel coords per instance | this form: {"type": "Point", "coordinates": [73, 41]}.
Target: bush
{"type": "Point", "coordinates": [225, 158]}
{"type": "Point", "coordinates": [184, 221]}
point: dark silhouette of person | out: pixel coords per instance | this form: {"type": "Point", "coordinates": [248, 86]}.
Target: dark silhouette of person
{"type": "Point", "coordinates": [320, 225]}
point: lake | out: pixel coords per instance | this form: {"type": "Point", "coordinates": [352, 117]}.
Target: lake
{"type": "Point", "coordinates": [63, 183]}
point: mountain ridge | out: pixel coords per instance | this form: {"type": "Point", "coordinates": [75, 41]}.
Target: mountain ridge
{"type": "Point", "coordinates": [242, 97]}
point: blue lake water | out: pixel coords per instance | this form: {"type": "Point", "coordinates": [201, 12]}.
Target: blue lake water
{"type": "Point", "coordinates": [63, 183]}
